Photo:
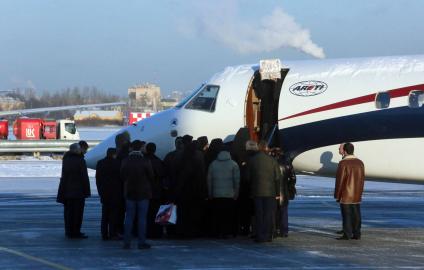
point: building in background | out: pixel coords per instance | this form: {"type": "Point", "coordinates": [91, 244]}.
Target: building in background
{"type": "Point", "coordinates": [144, 97]}
{"type": "Point", "coordinates": [9, 103]}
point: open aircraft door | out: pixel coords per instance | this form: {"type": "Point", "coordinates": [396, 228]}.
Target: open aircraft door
{"type": "Point", "coordinates": [261, 107]}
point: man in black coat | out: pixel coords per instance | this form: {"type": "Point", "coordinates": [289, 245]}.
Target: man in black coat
{"type": "Point", "coordinates": [137, 173]}
{"type": "Point", "coordinates": [154, 230]}
{"type": "Point", "coordinates": [287, 192]}
{"type": "Point", "coordinates": [109, 187]}
{"type": "Point", "coordinates": [171, 163]}
{"type": "Point", "coordinates": [264, 175]}
{"type": "Point", "coordinates": [74, 187]}
{"type": "Point", "coordinates": [122, 142]}
{"type": "Point", "coordinates": [245, 202]}
{"type": "Point", "coordinates": [191, 190]}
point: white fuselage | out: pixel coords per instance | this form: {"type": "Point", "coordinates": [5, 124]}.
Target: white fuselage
{"type": "Point", "coordinates": [313, 123]}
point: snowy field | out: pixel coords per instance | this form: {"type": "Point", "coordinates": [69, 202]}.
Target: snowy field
{"type": "Point", "coordinates": [42, 176]}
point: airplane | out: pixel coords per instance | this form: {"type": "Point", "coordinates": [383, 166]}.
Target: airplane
{"type": "Point", "coordinates": [307, 108]}
{"type": "Point", "coordinates": [58, 108]}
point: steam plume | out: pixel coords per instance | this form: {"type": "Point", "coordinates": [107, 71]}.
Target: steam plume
{"type": "Point", "coordinates": [272, 32]}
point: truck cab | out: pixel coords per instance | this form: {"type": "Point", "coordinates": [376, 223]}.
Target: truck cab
{"type": "Point", "coordinates": [49, 129]}
{"type": "Point", "coordinates": [67, 130]}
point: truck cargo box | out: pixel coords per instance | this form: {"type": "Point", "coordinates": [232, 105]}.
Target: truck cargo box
{"type": "Point", "coordinates": [27, 128]}
{"type": "Point", "coordinates": [4, 129]}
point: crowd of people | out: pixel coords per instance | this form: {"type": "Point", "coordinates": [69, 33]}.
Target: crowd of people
{"type": "Point", "coordinates": [217, 194]}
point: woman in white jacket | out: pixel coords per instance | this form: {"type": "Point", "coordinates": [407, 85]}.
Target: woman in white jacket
{"type": "Point", "coordinates": [223, 188]}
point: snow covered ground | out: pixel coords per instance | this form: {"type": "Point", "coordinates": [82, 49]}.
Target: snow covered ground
{"type": "Point", "coordinates": [42, 176]}
{"type": "Point", "coordinates": [32, 168]}
{"type": "Point", "coordinates": [36, 177]}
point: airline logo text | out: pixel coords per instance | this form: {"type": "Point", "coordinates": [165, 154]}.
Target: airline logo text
{"type": "Point", "coordinates": [308, 88]}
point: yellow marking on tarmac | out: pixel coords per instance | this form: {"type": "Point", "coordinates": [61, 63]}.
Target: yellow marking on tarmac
{"type": "Point", "coordinates": [34, 259]}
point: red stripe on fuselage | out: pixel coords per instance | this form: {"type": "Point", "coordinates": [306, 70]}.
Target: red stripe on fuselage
{"type": "Point", "coordinates": [395, 93]}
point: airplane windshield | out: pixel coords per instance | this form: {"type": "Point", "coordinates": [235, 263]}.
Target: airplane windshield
{"type": "Point", "coordinates": [205, 100]}
{"type": "Point", "coordinates": [186, 99]}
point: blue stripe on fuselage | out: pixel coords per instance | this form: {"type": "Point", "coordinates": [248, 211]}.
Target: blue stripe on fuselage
{"type": "Point", "coordinates": [401, 122]}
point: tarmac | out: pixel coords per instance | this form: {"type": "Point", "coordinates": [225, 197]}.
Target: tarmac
{"type": "Point", "coordinates": [32, 234]}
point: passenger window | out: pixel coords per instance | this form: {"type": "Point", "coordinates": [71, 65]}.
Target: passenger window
{"type": "Point", "coordinates": [205, 100]}
{"type": "Point", "coordinates": [416, 99]}
{"type": "Point", "coordinates": [382, 100]}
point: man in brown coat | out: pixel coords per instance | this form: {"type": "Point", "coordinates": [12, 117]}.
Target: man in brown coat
{"type": "Point", "coordinates": [348, 192]}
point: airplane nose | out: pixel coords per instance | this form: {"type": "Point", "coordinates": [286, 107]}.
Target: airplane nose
{"type": "Point", "coordinates": [99, 151]}
{"type": "Point", "coordinates": [160, 129]}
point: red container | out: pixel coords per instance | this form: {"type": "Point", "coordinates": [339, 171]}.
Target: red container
{"type": "Point", "coordinates": [49, 129]}
{"type": "Point", "coordinates": [4, 129]}
{"type": "Point", "coordinates": [27, 128]}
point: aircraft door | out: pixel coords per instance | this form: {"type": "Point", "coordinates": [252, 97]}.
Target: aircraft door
{"type": "Point", "coordinates": [261, 107]}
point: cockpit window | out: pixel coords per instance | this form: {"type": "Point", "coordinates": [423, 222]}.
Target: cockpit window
{"type": "Point", "coordinates": [187, 98]}
{"type": "Point", "coordinates": [205, 100]}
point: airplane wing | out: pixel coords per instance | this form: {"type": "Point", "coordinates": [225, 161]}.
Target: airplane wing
{"type": "Point", "coordinates": [61, 108]}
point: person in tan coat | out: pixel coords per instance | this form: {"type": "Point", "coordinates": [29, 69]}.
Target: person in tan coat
{"type": "Point", "coordinates": [348, 192]}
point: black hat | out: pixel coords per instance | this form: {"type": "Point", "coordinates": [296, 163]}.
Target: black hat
{"type": "Point", "coordinates": [136, 145]}
{"type": "Point", "coordinates": [187, 139]}
{"type": "Point", "coordinates": [203, 141]}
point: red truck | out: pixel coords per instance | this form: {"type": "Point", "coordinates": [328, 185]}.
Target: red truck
{"type": "Point", "coordinates": [30, 129]}
{"type": "Point", "coordinates": [40, 129]}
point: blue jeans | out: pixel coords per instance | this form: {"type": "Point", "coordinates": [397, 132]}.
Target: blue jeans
{"type": "Point", "coordinates": [141, 207]}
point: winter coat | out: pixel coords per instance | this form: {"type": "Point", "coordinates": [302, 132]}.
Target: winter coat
{"type": "Point", "coordinates": [244, 192]}
{"type": "Point", "coordinates": [172, 162]}
{"type": "Point", "coordinates": [74, 182]}
{"type": "Point", "coordinates": [159, 174]}
{"type": "Point", "coordinates": [350, 179]}
{"type": "Point", "coordinates": [223, 177]}
{"type": "Point", "coordinates": [264, 175]}
{"type": "Point", "coordinates": [288, 182]}
{"type": "Point", "coordinates": [108, 181]}
{"type": "Point", "coordinates": [191, 176]}
{"type": "Point", "coordinates": [137, 174]}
